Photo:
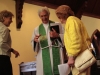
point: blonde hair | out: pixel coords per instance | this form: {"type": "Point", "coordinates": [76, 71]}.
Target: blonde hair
{"type": "Point", "coordinates": [44, 9]}
{"type": "Point", "coordinates": [64, 11]}
{"type": "Point", "coordinates": [5, 13]}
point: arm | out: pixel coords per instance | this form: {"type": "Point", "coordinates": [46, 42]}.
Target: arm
{"type": "Point", "coordinates": [5, 42]}
{"type": "Point", "coordinates": [58, 36]}
{"type": "Point", "coordinates": [74, 35]}
{"type": "Point", "coordinates": [75, 38]}
{"type": "Point", "coordinates": [14, 52]}
{"type": "Point", "coordinates": [61, 35]}
{"type": "Point", "coordinates": [35, 41]}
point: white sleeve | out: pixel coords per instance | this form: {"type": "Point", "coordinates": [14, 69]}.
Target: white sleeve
{"type": "Point", "coordinates": [35, 45]}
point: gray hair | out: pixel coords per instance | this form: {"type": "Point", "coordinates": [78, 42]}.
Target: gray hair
{"type": "Point", "coordinates": [43, 9]}
{"type": "Point", "coordinates": [5, 13]}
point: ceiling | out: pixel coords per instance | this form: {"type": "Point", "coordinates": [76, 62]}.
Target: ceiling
{"type": "Point", "coordinates": [89, 8]}
{"type": "Point", "coordinates": [80, 7]}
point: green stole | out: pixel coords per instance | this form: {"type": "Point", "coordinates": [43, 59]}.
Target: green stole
{"type": "Point", "coordinates": [47, 69]}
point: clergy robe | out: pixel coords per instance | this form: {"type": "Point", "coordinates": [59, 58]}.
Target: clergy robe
{"type": "Point", "coordinates": [37, 48]}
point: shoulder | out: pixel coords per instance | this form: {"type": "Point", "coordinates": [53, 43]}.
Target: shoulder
{"type": "Point", "coordinates": [36, 28]}
{"type": "Point", "coordinates": [51, 21]}
{"type": "Point", "coordinates": [3, 28]}
{"type": "Point", "coordinates": [73, 19]}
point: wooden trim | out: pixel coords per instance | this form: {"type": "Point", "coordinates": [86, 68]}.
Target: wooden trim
{"type": "Point", "coordinates": [41, 3]}
{"type": "Point", "coordinates": [19, 8]}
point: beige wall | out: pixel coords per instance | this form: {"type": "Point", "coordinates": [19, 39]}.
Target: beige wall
{"type": "Point", "coordinates": [91, 24]}
{"type": "Point", "coordinates": [21, 39]}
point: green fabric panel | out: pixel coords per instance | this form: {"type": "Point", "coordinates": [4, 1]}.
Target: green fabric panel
{"type": "Point", "coordinates": [45, 52]}
{"type": "Point", "coordinates": [47, 69]}
{"type": "Point", "coordinates": [56, 58]}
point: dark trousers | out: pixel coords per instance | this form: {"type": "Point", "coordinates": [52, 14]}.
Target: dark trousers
{"type": "Point", "coordinates": [5, 65]}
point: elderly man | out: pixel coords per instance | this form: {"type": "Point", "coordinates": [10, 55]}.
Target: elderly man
{"type": "Point", "coordinates": [48, 51]}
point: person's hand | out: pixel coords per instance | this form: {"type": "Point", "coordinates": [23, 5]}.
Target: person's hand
{"type": "Point", "coordinates": [36, 38]}
{"type": "Point", "coordinates": [16, 53]}
{"type": "Point", "coordinates": [71, 61]}
{"type": "Point", "coordinates": [53, 34]}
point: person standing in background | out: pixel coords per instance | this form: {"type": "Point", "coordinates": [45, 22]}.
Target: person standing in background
{"type": "Point", "coordinates": [75, 36]}
{"type": "Point", "coordinates": [48, 52]}
{"type": "Point", "coordinates": [5, 43]}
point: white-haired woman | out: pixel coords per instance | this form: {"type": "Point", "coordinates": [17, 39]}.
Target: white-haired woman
{"type": "Point", "coordinates": [5, 43]}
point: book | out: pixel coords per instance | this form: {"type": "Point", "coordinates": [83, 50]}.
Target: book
{"type": "Point", "coordinates": [56, 26]}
